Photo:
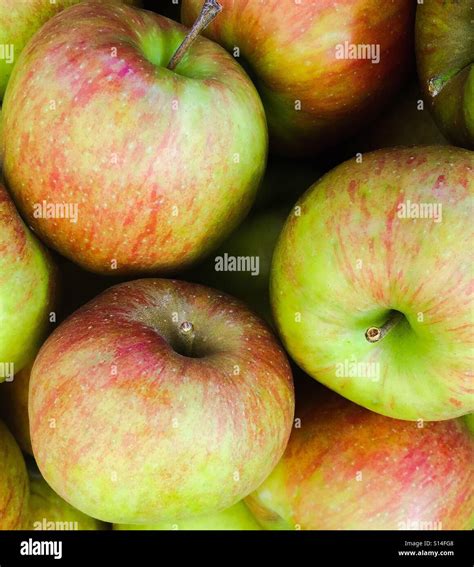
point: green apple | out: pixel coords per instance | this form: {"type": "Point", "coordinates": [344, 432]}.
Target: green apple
{"type": "Point", "coordinates": [237, 517]}
{"type": "Point", "coordinates": [322, 68]}
{"type": "Point", "coordinates": [14, 407]}
{"type": "Point", "coordinates": [176, 162]}
{"type": "Point", "coordinates": [48, 511]}
{"type": "Point", "coordinates": [241, 266]}
{"type": "Point", "coordinates": [27, 290]}
{"type": "Point", "coordinates": [372, 277]}
{"type": "Point", "coordinates": [14, 490]}
{"type": "Point", "coordinates": [175, 401]}
{"type": "Point", "coordinates": [445, 57]}
{"type": "Point", "coordinates": [20, 19]}
{"type": "Point", "coordinates": [347, 468]}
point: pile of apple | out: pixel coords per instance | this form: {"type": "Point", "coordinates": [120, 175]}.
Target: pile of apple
{"type": "Point", "coordinates": [134, 147]}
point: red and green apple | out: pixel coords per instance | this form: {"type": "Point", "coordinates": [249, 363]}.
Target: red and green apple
{"type": "Point", "coordinates": [322, 68]}
{"type": "Point", "coordinates": [347, 468]}
{"type": "Point", "coordinates": [27, 290]}
{"type": "Point", "coordinates": [120, 163]}
{"type": "Point", "coordinates": [159, 400]}
{"type": "Point", "coordinates": [371, 282]}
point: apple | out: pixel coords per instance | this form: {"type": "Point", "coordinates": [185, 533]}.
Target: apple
{"type": "Point", "coordinates": [371, 282]}
{"type": "Point", "coordinates": [241, 266]}
{"type": "Point", "coordinates": [347, 468]}
{"type": "Point", "coordinates": [27, 290]}
{"type": "Point", "coordinates": [322, 68]}
{"type": "Point", "coordinates": [14, 407]}
{"type": "Point", "coordinates": [444, 40]}
{"type": "Point", "coordinates": [159, 399]}
{"type": "Point", "coordinates": [178, 157]}
{"type": "Point", "coordinates": [47, 511]}
{"type": "Point", "coordinates": [20, 20]}
{"type": "Point", "coordinates": [407, 122]}
{"type": "Point", "coordinates": [13, 483]}
{"type": "Point", "coordinates": [236, 517]}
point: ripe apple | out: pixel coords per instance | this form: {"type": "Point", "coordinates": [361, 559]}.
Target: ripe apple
{"type": "Point", "coordinates": [159, 400]}
{"type": "Point", "coordinates": [371, 280]}
{"type": "Point", "coordinates": [20, 20]}
{"type": "Point", "coordinates": [178, 157]}
{"type": "Point", "coordinates": [13, 483]}
{"type": "Point", "coordinates": [237, 517]}
{"type": "Point", "coordinates": [241, 266]}
{"type": "Point", "coordinates": [48, 511]}
{"type": "Point", "coordinates": [14, 407]}
{"type": "Point", "coordinates": [347, 468]}
{"type": "Point", "coordinates": [322, 68]}
{"type": "Point", "coordinates": [444, 40]}
{"type": "Point", "coordinates": [27, 290]}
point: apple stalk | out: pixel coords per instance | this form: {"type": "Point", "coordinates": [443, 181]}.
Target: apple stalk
{"type": "Point", "coordinates": [209, 11]}
{"type": "Point", "coordinates": [376, 334]}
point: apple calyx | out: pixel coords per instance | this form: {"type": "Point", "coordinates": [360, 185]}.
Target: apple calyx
{"type": "Point", "coordinates": [376, 334]}
{"type": "Point", "coordinates": [209, 11]}
{"type": "Point", "coordinates": [187, 335]}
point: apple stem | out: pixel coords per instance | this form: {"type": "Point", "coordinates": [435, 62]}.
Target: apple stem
{"type": "Point", "coordinates": [209, 11]}
{"type": "Point", "coordinates": [376, 334]}
{"type": "Point", "coordinates": [187, 334]}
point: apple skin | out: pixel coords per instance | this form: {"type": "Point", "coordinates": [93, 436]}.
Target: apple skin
{"type": "Point", "coordinates": [178, 157]}
{"type": "Point", "coordinates": [20, 21]}
{"type": "Point", "coordinates": [195, 434]}
{"type": "Point", "coordinates": [291, 51]}
{"type": "Point", "coordinates": [14, 489]}
{"type": "Point", "coordinates": [46, 506]}
{"type": "Point", "coordinates": [14, 407]}
{"type": "Point", "coordinates": [444, 39]}
{"type": "Point", "coordinates": [237, 517]}
{"type": "Point", "coordinates": [27, 288]}
{"type": "Point", "coordinates": [348, 260]}
{"type": "Point", "coordinates": [347, 468]}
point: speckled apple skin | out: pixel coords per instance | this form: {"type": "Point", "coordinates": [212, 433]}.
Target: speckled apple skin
{"type": "Point", "coordinates": [312, 98]}
{"type": "Point", "coordinates": [14, 489]}
{"type": "Point", "coordinates": [27, 288]}
{"type": "Point", "coordinates": [346, 468]}
{"type": "Point", "coordinates": [20, 20]}
{"type": "Point", "coordinates": [129, 431]}
{"type": "Point", "coordinates": [345, 259]}
{"type": "Point", "coordinates": [162, 165]}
